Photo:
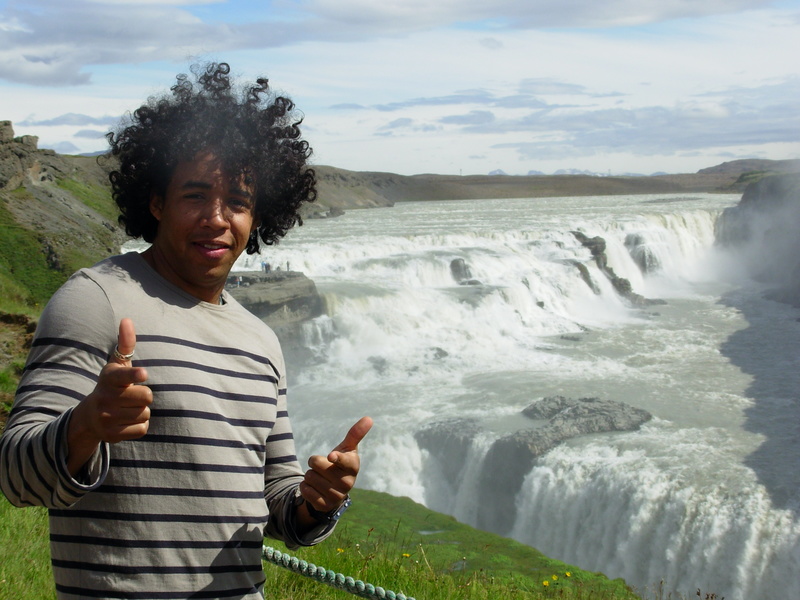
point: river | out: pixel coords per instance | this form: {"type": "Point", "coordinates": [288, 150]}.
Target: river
{"type": "Point", "coordinates": [705, 495]}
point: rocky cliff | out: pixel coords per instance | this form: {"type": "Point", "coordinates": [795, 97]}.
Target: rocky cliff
{"type": "Point", "coordinates": [547, 423]}
{"type": "Point", "coordinates": [763, 228]}
{"type": "Point", "coordinates": [281, 298]}
{"type": "Point", "coordinates": [56, 216]}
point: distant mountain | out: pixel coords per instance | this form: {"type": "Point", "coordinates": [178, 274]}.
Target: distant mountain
{"type": "Point", "coordinates": [533, 173]}
{"type": "Point", "coordinates": [498, 172]}
{"type": "Point", "coordinates": [577, 172]}
{"type": "Point", "coordinates": [90, 154]}
{"type": "Point", "coordinates": [748, 165]}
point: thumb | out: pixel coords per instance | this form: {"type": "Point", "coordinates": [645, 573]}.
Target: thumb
{"type": "Point", "coordinates": [126, 342]}
{"type": "Point", "coordinates": [353, 438]}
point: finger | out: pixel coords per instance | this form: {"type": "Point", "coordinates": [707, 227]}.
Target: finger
{"type": "Point", "coordinates": [126, 341]}
{"type": "Point", "coordinates": [352, 439]}
{"type": "Point", "coordinates": [135, 395]}
{"type": "Point", "coordinates": [127, 415]}
{"type": "Point", "coordinates": [116, 375]}
{"type": "Point", "coordinates": [130, 431]}
{"type": "Point", "coordinates": [321, 493]}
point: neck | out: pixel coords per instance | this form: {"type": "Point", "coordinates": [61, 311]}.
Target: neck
{"type": "Point", "coordinates": [211, 294]}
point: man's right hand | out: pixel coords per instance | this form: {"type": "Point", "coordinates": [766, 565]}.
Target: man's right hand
{"type": "Point", "coordinates": [117, 409]}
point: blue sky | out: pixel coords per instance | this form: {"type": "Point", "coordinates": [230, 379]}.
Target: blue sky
{"type": "Point", "coordinates": [451, 86]}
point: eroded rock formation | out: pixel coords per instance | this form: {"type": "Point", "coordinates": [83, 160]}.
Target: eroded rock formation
{"type": "Point", "coordinates": [511, 457]}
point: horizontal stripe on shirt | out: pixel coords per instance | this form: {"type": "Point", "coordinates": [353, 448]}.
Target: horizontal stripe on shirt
{"type": "Point", "coordinates": [164, 544]}
{"type": "Point", "coordinates": [198, 346]}
{"type": "Point", "coordinates": [166, 362]}
{"type": "Point", "coordinates": [182, 466]}
{"type": "Point", "coordinates": [68, 343]}
{"type": "Point", "coordinates": [160, 491]}
{"type": "Point", "coordinates": [205, 391]}
{"type": "Point", "coordinates": [54, 366]}
{"type": "Point", "coordinates": [156, 517]}
{"type": "Point", "coordinates": [56, 389]}
{"type": "Point", "coordinates": [155, 569]}
{"type": "Point", "coordinates": [198, 441]}
{"type": "Point", "coordinates": [88, 593]}
{"type": "Point", "coordinates": [209, 416]}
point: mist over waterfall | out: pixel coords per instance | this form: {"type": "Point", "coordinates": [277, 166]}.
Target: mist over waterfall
{"type": "Point", "coordinates": [446, 320]}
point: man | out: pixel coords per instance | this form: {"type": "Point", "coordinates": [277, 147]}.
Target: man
{"type": "Point", "coordinates": [151, 417]}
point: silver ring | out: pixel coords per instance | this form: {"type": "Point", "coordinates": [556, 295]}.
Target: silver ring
{"type": "Point", "coordinates": [120, 356]}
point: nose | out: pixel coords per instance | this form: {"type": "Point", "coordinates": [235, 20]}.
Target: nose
{"type": "Point", "coordinates": [215, 212]}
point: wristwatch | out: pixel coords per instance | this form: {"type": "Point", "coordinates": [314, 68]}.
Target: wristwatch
{"type": "Point", "coordinates": [324, 517]}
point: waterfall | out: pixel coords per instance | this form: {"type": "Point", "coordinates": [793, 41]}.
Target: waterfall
{"type": "Point", "coordinates": [692, 498]}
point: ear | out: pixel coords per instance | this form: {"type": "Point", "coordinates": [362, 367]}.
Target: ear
{"type": "Point", "coordinates": [156, 205]}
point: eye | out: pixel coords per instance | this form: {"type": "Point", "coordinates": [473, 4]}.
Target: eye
{"type": "Point", "coordinates": [238, 203]}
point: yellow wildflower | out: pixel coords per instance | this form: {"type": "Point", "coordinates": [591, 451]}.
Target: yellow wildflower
{"type": "Point", "coordinates": [555, 577]}
{"type": "Point", "coordinates": [340, 549]}
{"type": "Point", "coordinates": [545, 583]}
{"type": "Point", "coordinates": [568, 574]}
{"type": "Point", "coordinates": [406, 555]}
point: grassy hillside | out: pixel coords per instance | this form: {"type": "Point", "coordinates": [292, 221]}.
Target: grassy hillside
{"type": "Point", "coordinates": [383, 540]}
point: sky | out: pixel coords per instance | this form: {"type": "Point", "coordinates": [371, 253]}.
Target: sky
{"type": "Point", "coordinates": [433, 86]}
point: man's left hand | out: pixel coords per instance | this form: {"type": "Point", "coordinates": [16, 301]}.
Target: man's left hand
{"type": "Point", "coordinates": [330, 478]}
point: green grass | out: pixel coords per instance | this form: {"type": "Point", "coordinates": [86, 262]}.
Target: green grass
{"type": "Point", "coordinates": [25, 572]}
{"type": "Point", "coordinates": [387, 541]}
{"type": "Point", "coordinates": [26, 279]}
{"type": "Point", "coordinates": [402, 546]}
{"type": "Point", "coordinates": [96, 197]}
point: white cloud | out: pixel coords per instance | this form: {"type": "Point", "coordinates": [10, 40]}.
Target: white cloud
{"type": "Point", "coordinates": [442, 81]}
{"type": "Point", "coordinates": [414, 15]}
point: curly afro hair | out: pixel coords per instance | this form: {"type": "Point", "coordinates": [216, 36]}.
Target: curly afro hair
{"type": "Point", "coordinates": [250, 130]}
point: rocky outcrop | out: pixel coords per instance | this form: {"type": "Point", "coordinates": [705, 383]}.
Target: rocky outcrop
{"type": "Point", "coordinates": [60, 207]}
{"type": "Point", "coordinates": [641, 253]}
{"type": "Point", "coordinates": [511, 457]}
{"type": "Point", "coordinates": [461, 273]}
{"type": "Point", "coordinates": [763, 229]}
{"type": "Point", "coordinates": [586, 415]}
{"type": "Point", "coordinates": [18, 157]}
{"type": "Point", "coordinates": [281, 298]}
{"type": "Point", "coordinates": [449, 438]}
{"type": "Point", "coordinates": [285, 300]}
{"type": "Point", "coordinates": [597, 246]}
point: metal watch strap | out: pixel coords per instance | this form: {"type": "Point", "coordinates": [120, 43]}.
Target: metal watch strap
{"type": "Point", "coordinates": [329, 517]}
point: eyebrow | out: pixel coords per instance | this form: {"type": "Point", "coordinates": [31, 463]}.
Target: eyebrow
{"type": "Point", "coordinates": [204, 185]}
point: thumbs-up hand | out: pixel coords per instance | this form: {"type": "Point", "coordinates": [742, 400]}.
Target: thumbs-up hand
{"type": "Point", "coordinates": [117, 409]}
{"type": "Point", "coordinates": [330, 478]}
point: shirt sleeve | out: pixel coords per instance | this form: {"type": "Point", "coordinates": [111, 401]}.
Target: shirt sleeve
{"type": "Point", "coordinates": [71, 345]}
{"type": "Point", "coordinates": [282, 476]}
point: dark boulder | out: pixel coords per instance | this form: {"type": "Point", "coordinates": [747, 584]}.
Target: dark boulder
{"type": "Point", "coordinates": [461, 273]}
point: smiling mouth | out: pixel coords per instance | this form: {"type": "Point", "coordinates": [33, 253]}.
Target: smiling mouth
{"type": "Point", "coordinates": [211, 246]}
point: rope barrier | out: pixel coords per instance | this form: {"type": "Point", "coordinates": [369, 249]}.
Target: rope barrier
{"type": "Point", "coordinates": [328, 577]}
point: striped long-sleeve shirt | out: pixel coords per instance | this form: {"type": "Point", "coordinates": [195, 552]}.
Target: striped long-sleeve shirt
{"type": "Point", "coordinates": [182, 511]}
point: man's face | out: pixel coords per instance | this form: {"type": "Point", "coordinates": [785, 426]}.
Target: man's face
{"type": "Point", "coordinates": [204, 220]}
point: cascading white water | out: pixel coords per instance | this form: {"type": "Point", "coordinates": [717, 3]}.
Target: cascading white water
{"type": "Point", "coordinates": [704, 495]}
